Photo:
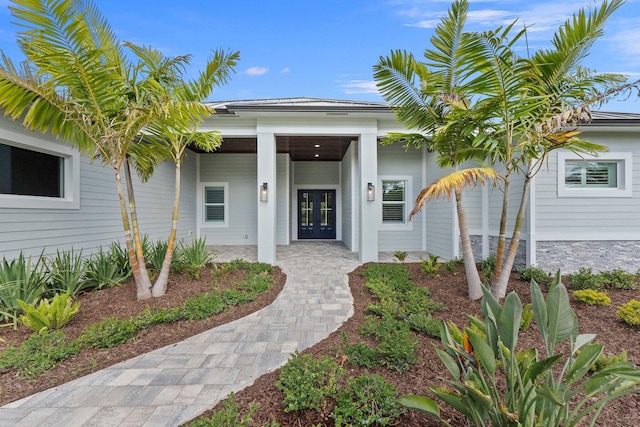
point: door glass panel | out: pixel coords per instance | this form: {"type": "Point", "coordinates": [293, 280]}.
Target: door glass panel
{"type": "Point", "coordinates": [306, 210]}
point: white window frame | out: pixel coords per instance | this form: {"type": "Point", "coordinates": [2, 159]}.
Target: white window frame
{"type": "Point", "coordinates": [406, 225]}
{"type": "Point", "coordinates": [201, 204]}
{"type": "Point", "coordinates": [624, 173]}
{"type": "Point", "coordinates": [71, 176]}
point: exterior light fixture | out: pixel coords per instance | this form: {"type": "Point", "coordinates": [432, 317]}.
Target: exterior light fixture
{"type": "Point", "coordinates": [317, 155]}
{"type": "Point", "coordinates": [371, 192]}
{"type": "Point", "coordinates": [263, 192]}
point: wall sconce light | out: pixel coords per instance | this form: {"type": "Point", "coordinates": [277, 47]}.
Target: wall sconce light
{"type": "Point", "coordinates": [371, 192]}
{"type": "Point", "coordinates": [263, 192]}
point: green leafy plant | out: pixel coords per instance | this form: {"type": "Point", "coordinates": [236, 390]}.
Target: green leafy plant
{"type": "Point", "coordinates": [366, 400]}
{"type": "Point", "coordinates": [630, 312]}
{"type": "Point", "coordinates": [592, 297]}
{"type": "Point", "coordinates": [527, 315]}
{"type": "Point", "coordinates": [488, 266]}
{"type": "Point", "coordinates": [361, 354]}
{"type": "Point", "coordinates": [195, 256]}
{"type": "Point", "coordinates": [534, 393]}
{"type": "Point", "coordinates": [20, 280]}
{"type": "Point", "coordinates": [430, 265]}
{"type": "Point", "coordinates": [452, 265]}
{"type": "Point", "coordinates": [397, 343]}
{"type": "Point", "coordinates": [38, 353]}
{"type": "Point", "coordinates": [120, 259]}
{"type": "Point", "coordinates": [585, 278]}
{"type": "Point", "coordinates": [104, 269]}
{"type": "Point", "coordinates": [236, 297]}
{"type": "Point", "coordinates": [203, 306]}
{"type": "Point", "coordinates": [619, 279]}
{"type": "Point", "coordinates": [606, 360]}
{"type": "Point", "coordinates": [535, 273]}
{"type": "Point", "coordinates": [424, 323]}
{"type": "Point", "coordinates": [400, 256]}
{"type": "Point", "coordinates": [256, 283]}
{"type": "Point", "coordinates": [228, 416]}
{"type": "Point", "coordinates": [308, 382]}
{"type": "Point", "coordinates": [67, 272]}
{"type": "Point", "coordinates": [108, 333]}
{"type": "Point", "coordinates": [49, 315]}
{"type": "Point", "coordinates": [157, 252]}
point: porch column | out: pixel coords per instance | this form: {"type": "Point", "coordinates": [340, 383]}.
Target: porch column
{"type": "Point", "coordinates": [368, 171]}
{"type": "Point", "coordinates": [266, 208]}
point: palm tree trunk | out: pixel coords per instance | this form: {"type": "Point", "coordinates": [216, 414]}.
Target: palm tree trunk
{"type": "Point", "coordinates": [142, 292]}
{"type": "Point", "coordinates": [499, 287]}
{"type": "Point", "coordinates": [144, 275]}
{"type": "Point", "coordinates": [502, 234]}
{"type": "Point", "coordinates": [470, 267]}
{"type": "Point", "coordinates": [160, 287]}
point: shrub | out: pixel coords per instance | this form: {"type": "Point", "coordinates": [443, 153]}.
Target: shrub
{"type": "Point", "coordinates": [387, 307]}
{"type": "Point", "coordinates": [157, 252]}
{"type": "Point", "coordinates": [108, 333]}
{"type": "Point", "coordinates": [104, 269]}
{"type": "Point", "coordinates": [361, 354]}
{"type": "Point", "coordinates": [452, 264]}
{"type": "Point", "coordinates": [535, 389]}
{"type": "Point", "coordinates": [431, 265]}
{"type": "Point", "coordinates": [120, 259]}
{"type": "Point", "coordinates": [38, 353]}
{"type": "Point", "coordinates": [47, 315]}
{"type": "Point", "coordinates": [148, 318]}
{"type": "Point", "coordinates": [228, 416]}
{"type": "Point", "coordinates": [619, 279]}
{"type": "Point", "coordinates": [400, 256]}
{"type": "Point", "coordinates": [398, 350]}
{"type": "Point", "coordinates": [20, 280]}
{"type": "Point", "coordinates": [488, 266]}
{"type": "Point", "coordinates": [630, 312]}
{"type": "Point", "coordinates": [195, 256]}
{"type": "Point", "coordinates": [236, 297]}
{"type": "Point", "coordinates": [203, 306]}
{"type": "Point", "coordinates": [67, 271]}
{"type": "Point", "coordinates": [308, 382]}
{"type": "Point", "coordinates": [395, 275]}
{"type": "Point", "coordinates": [424, 323]}
{"type": "Point", "coordinates": [607, 360]}
{"type": "Point", "coordinates": [534, 273]}
{"type": "Point", "coordinates": [256, 283]}
{"type": "Point", "coordinates": [366, 400]}
{"type": "Point", "coordinates": [585, 279]}
{"type": "Point", "coordinates": [592, 297]}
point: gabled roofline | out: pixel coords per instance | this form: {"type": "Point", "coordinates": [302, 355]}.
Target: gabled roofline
{"type": "Point", "coordinates": [310, 105]}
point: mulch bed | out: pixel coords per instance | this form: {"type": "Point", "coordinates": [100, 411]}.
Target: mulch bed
{"type": "Point", "coordinates": [451, 290]}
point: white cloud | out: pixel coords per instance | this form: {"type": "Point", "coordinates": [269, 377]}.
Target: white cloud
{"type": "Point", "coordinates": [626, 44]}
{"type": "Point", "coordinates": [285, 70]}
{"type": "Point", "coordinates": [256, 71]}
{"type": "Point", "coordinates": [359, 86]}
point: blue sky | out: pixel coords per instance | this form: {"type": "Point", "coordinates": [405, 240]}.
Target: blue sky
{"type": "Point", "coordinates": [326, 48]}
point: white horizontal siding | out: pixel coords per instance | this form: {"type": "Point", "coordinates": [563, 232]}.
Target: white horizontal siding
{"type": "Point", "coordinates": [589, 218]}
{"type": "Point", "coordinates": [240, 171]}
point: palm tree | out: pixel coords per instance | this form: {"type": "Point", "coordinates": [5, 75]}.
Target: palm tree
{"type": "Point", "coordinates": [432, 99]}
{"type": "Point", "coordinates": [78, 84]}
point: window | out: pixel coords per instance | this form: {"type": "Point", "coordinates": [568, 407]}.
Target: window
{"type": "Point", "coordinates": [395, 193]}
{"type": "Point", "coordinates": [215, 204]}
{"type": "Point", "coordinates": [36, 173]}
{"type": "Point", "coordinates": [30, 173]}
{"type": "Point", "coordinates": [607, 175]}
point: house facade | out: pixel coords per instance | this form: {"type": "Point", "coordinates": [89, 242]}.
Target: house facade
{"type": "Point", "coordinates": [313, 169]}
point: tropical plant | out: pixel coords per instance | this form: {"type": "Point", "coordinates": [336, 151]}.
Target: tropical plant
{"type": "Point", "coordinates": [400, 256]}
{"type": "Point", "coordinates": [538, 389]}
{"type": "Point", "coordinates": [20, 280]}
{"type": "Point", "coordinates": [49, 315]}
{"type": "Point", "coordinates": [80, 84]}
{"type": "Point", "coordinates": [430, 265]}
{"type": "Point", "coordinates": [195, 255]}
{"type": "Point", "coordinates": [106, 268]}
{"type": "Point", "coordinates": [430, 98]}
{"type": "Point", "coordinates": [67, 271]}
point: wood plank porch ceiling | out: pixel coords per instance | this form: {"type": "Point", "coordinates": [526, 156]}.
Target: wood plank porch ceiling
{"type": "Point", "coordinates": [299, 148]}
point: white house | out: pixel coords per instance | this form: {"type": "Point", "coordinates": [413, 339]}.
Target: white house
{"type": "Point", "coordinates": [307, 168]}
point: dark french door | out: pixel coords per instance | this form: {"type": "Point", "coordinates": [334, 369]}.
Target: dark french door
{"type": "Point", "coordinates": [316, 214]}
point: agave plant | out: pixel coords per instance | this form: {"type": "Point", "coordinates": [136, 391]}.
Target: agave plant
{"type": "Point", "coordinates": [541, 390]}
{"type": "Point", "coordinates": [20, 279]}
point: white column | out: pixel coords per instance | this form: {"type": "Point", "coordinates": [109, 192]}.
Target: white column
{"type": "Point", "coordinates": [368, 173]}
{"type": "Point", "coordinates": [266, 209]}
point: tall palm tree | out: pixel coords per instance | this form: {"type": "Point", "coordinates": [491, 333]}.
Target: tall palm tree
{"type": "Point", "coordinates": [78, 84]}
{"type": "Point", "coordinates": [432, 98]}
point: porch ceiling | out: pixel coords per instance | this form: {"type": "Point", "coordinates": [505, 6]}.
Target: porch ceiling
{"type": "Point", "coordinates": [299, 148]}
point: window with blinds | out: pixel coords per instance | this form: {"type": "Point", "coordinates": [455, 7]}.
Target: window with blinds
{"type": "Point", "coordinates": [394, 201]}
{"type": "Point", "coordinates": [589, 174]}
{"type": "Point", "coordinates": [214, 204]}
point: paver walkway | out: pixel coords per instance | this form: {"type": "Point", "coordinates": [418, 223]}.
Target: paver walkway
{"type": "Point", "coordinates": [171, 385]}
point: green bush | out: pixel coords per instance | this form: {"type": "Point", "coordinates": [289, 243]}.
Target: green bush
{"type": "Point", "coordinates": [386, 307]}
{"type": "Point", "coordinates": [228, 416]}
{"type": "Point", "coordinates": [203, 306]}
{"type": "Point", "coordinates": [108, 333]}
{"type": "Point", "coordinates": [104, 269]}
{"type": "Point", "coordinates": [395, 275]}
{"type": "Point", "coordinates": [195, 256]}
{"type": "Point", "coordinates": [67, 272]}
{"type": "Point", "coordinates": [308, 382]}
{"type": "Point", "coordinates": [236, 297]}
{"type": "Point", "coordinates": [534, 273]}
{"type": "Point", "coordinates": [493, 384]}
{"type": "Point", "coordinates": [607, 360]}
{"type": "Point", "coordinates": [424, 323]}
{"type": "Point", "coordinates": [630, 312]}
{"type": "Point", "coordinates": [592, 297]}
{"type": "Point", "coordinates": [361, 354]}
{"type": "Point", "coordinates": [120, 259]}
{"type": "Point", "coordinates": [366, 400]}
{"type": "Point", "coordinates": [47, 315]}
{"type": "Point", "coordinates": [400, 256]}
{"type": "Point", "coordinates": [431, 265]}
{"type": "Point", "coordinates": [398, 350]}
{"type": "Point", "coordinates": [38, 353]}
{"type": "Point", "coordinates": [20, 280]}
{"type": "Point", "coordinates": [619, 279]}
{"type": "Point", "coordinates": [256, 283]}
{"type": "Point", "coordinates": [585, 278]}
{"type": "Point", "coordinates": [452, 265]}
{"type": "Point", "coordinates": [149, 318]}
{"type": "Point", "coordinates": [157, 252]}
{"type": "Point", "coordinates": [488, 266]}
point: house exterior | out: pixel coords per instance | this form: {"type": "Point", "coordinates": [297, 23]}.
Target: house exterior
{"type": "Point", "coordinates": [309, 169]}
